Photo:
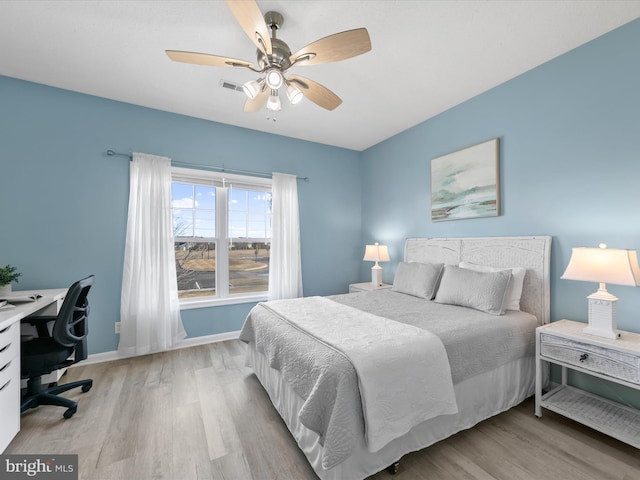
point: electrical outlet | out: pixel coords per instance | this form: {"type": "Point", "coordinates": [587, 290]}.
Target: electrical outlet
{"type": "Point", "coordinates": [117, 327]}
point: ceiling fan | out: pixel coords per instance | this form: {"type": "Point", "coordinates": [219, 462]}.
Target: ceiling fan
{"type": "Point", "coordinates": [274, 58]}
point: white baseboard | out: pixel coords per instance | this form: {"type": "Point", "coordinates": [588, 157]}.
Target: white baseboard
{"type": "Point", "coordinates": [187, 342]}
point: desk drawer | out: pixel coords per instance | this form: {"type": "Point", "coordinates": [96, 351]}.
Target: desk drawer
{"type": "Point", "coordinates": [625, 366]}
{"type": "Point", "coordinates": [9, 403]}
{"type": "Point", "coordinates": [9, 345]}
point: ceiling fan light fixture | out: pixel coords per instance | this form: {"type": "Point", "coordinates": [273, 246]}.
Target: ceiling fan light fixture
{"type": "Point", "coordinates": [273, 103]}
{"type": "Point", "coordinates": [295, 95]}
{"type": "Point", "coordinates": [274, 58]}
{"type": "Point", "coordinates": [274, 78]}
{"type": "Point", "coordinates": [253, 87]}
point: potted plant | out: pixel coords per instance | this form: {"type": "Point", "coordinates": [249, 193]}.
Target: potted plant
{"type": "Point", "coordinates": [8, 274]}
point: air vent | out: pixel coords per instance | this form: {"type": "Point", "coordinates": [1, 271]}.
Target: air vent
{"type": "Point", "coordinates": [230, 85]}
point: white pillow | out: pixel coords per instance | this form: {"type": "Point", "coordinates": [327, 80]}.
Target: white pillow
{"type": "Point", "coordinates": [417, 279]}
{"type": "Point", "coordinates": [514, 289]}
{"type": "Point", "coordinates": [484, 291]}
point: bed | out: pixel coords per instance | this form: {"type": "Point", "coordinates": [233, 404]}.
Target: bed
{"type": "Point", "coordinates": [362, 379]}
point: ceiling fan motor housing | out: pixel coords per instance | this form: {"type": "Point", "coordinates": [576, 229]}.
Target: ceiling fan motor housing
{"type": "Point", "coordinates": [279, 56]}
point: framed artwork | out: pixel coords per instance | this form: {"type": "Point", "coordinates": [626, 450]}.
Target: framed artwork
{"type": "Point", "coordinates": [465, 183]}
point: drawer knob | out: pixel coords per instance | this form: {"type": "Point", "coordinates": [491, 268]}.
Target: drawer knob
{"type": "Point", "coordinates": [584, 356]}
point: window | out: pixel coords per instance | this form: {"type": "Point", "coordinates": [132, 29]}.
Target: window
{"type": "Point", "coordinates": [222, 230]}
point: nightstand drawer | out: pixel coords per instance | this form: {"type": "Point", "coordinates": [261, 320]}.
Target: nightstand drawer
{"type": "Point", "coordinates": [625, 366]}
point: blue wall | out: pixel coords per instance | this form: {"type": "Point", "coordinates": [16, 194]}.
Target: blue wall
{"type": "Point", "coordinates": [569, 167]}
{"type": "Point", "coordinates": [63, 203]}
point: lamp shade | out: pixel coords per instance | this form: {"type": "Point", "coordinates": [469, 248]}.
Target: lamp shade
{"type": "Point", "coordinates": [252, 88]}
{"type": "Point", "coordinates": [273, 103]}
{"type": "Point", "coordinates": [376, 253]}
{"type": "Point", "coordinates": [294, 94]}
{"type": "Point", "coordinates": [603, 265]}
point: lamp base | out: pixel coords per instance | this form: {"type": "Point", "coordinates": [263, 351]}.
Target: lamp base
{"type": "Point", "coordinates": [602, 316]}
{"type": "Point", "coordinates": [612, 334]}
{"type": "Point", "coordinates": [376, 275]}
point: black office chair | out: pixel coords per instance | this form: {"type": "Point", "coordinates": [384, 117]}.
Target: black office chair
{"type": "Point", "coordinates": [51, 349]}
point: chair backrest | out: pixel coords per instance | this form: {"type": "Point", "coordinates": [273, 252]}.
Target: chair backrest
{"type": "Point", "coordinates": [71, 326]}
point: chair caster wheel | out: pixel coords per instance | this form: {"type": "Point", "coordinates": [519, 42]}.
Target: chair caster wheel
{"type": "Point", "coordinates": [86, 388]}
{"type": "Point", "coordinates": [69, 413]}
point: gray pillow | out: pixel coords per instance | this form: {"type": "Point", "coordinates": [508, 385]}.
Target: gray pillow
{"type": "Point", "coordinates": [514, 289]}
{"type": "Point", "coordinates": [484, 291]}
{"type": "Point", "coordinates": [417, 279]}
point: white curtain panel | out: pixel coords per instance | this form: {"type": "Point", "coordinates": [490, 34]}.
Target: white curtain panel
{"type": "Point", "coordinates": [285, 266]}
{"type": "Point", "coordinates": [149, 310]}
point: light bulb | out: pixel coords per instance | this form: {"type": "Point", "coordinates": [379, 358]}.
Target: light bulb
{"type": "Point", "coordinates": [294, 94]}
{"type": "Point", "coordinates": [252, 88]}
{"type": "Point", "coordinates": [274, 78]}
{"type": "Point", "coordinates": [273, 103]}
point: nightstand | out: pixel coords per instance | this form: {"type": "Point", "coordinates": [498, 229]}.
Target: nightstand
{"type": "Point", "coordinates": [366, 287]}
{"type": "Point", "coordinates": [563, 343]}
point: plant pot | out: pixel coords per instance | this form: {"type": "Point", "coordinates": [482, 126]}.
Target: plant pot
{"type": "Point", "coordinates": [5, 290]}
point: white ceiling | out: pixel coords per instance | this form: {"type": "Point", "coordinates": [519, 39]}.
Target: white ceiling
{"type": "Point", "coordinates": [426, 57]}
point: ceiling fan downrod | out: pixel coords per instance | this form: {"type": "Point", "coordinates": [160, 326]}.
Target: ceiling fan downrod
{"type": "Point", "coordinates": [280, 51]}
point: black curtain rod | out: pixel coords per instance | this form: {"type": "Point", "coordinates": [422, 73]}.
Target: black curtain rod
{"type": "Point", "coordinates": [111, 153]}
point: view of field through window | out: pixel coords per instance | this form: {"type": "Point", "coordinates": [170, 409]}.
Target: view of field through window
{"type": "Point", "coordinates": [198, 261]}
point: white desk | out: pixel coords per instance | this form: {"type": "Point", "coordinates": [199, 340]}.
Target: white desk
{"type": "Point", "coordinates": [49, 304]}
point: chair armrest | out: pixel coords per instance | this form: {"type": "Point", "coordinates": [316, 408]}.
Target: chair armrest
{"type": "Point", "coordinates": [40, 323]}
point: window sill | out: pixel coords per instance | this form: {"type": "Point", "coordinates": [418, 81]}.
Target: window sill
{"type": "Point", "coordinates": [191, 303]}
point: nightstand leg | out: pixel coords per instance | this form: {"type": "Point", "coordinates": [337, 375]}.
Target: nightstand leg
{"type": "Point", "coordinates": [538, 394]}
{"type": "Point", "coordinates": [538, 410]}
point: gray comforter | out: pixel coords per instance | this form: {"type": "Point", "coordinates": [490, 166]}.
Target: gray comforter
{"type": "Point", "coordinates": [475, 342]}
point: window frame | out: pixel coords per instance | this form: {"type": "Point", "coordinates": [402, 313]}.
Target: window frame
{"type": "Point", "coordinates": [221, 239]}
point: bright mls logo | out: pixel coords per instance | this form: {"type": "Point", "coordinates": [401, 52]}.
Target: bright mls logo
{"type": "Point", "coordinates": [49, 467]}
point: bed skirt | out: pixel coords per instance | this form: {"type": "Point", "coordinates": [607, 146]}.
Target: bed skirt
{"type": "Point", "coordinates": [478, 398]}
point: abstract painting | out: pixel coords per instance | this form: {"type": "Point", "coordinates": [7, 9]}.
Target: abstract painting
{"type": "Point", "coordinates": [465, 183]}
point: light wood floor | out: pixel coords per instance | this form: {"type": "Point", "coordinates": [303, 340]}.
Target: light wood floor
{"type": "Point", "coordinates": [198, 413]}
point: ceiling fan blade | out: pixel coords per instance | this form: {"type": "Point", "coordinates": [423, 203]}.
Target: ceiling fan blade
{"type": "Point", "coordinates": [315, 92]}
{"type": "Point", "coordinates": [206, 59]}
{"type": "Point", "coordinates": [250, 18]}
{"type": "Point", "coordinates": [334, 48]}
{"type": "Point", "coordinates": [256, 104]}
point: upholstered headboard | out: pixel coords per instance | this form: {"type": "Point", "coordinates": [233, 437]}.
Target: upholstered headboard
{"type": "Point", "coordinates": [532, 253]}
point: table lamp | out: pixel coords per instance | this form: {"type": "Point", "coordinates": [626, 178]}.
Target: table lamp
{"type": "Point", "coordinates": [376, 253]}
{"type": "Point", "coordinates": [603, 265]}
